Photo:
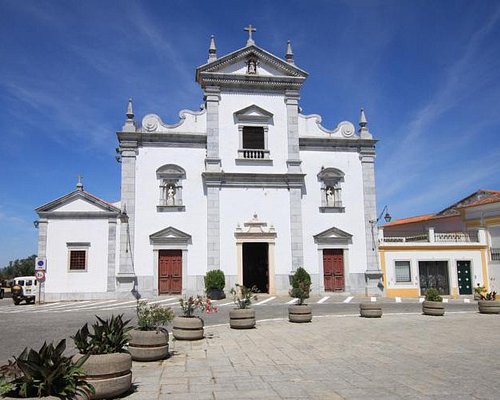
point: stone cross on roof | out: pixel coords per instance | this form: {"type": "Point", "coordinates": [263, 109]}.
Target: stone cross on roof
{"type": "Point", "coordinates": [250, 29]}
{"type": "Point", "coordinates": [79, 185]}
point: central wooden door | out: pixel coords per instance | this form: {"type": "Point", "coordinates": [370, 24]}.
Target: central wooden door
{"type": "Point", "coordinates": [169, 271]}
{"type": "Point", "coordinates": [333, 270]}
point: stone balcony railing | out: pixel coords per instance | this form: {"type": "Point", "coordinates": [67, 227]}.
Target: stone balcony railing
{"type": "Point", "coordinates": [477, 237]}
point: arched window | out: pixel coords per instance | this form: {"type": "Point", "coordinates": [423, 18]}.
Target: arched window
{"type": "Point", "coordinates": [170, 178]}
{"type": "Point", "coordinates": [331, 180]}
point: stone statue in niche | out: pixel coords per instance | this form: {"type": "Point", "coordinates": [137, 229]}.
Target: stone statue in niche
{"type": "Point", "coordinates": [252, 66]}
{"type": "Point", "coordinates": [330, 197]}
{"type": "Point", "coordinates": [170, 195]}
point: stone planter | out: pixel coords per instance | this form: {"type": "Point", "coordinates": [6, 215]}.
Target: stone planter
{"type": "Point", "coordinates": [216, 294]}
{"type": "Point", "coordinates": [187, 328]}
{"type": "Point", "coordinates": [242, 318]}
{"type": "Point", "coordinates": [435, 308]}
{"type": "Point", "coordinates": [370, 310]}
{"type": "Point", "coordinates": [109, 374]}
{"type": "Point", "coordinates": [148, 345]}
{"type": "Point", "coordinates": [489, 306]}
{"type": "Point", "coordinates": [300, 313]}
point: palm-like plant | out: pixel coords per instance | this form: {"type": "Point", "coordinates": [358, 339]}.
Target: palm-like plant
{"type": "Point", "coordinates": [46, 372]}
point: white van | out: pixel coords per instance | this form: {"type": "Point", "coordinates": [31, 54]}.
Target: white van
{"type": "Point", "coordinates": [24, 288]}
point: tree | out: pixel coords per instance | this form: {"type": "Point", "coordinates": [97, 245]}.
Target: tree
{"type": "Point", "coordinates": [22, 267]}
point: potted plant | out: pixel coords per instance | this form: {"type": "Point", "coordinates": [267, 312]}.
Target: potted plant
{"type": "Point", "coordinates": [301, 286]}
{"type": "Point", "coordinates": [242, 317]}
{"type": "Point", "coordinates": [433, 303]}
{"type": "Point", "coordinates": [188, 326]}
{"type": "Point", "coordinates": [149, 341]}
{"type": "Point", "coordinates": [478, 292]}
{"type": "Point", "coordinates": [214, 284]}
{"type": "Point", "coordinates": [489, 303]}
{"type": "Point", "coordinates": [108, 364]}
{"type": "Point", "coordinates": [44, 373]}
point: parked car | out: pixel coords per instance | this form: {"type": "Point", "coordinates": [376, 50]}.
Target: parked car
{"type": "Point", "coordinates": [24, 289]}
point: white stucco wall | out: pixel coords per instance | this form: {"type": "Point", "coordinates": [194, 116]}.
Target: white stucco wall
{"type": "Point", "coordinates": [148, 220]}
{"type": "Point", "coordinates": [238, 205]}
{"type": "Point", "coordinates": [450, 256]}
{"type": "Point", "coordinates": [229, 141]}
{"type": "Point", "coordinates": [59, 232]}
{"type": "Point", "coordinates": [350, 221]}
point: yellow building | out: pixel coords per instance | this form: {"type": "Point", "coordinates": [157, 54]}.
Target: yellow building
{"type": "Point", "coordinates": [454, 250]}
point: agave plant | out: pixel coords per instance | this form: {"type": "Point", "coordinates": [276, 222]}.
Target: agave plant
{"type": "Point", "coordinates": [46, 372]}
{"type": "Point", "coordinates": [110, 336]}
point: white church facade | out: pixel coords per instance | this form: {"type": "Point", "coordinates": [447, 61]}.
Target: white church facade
{"type": "Point", "coordinates": [248, 184]}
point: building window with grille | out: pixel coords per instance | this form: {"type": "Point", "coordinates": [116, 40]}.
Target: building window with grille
{"type": "Point", "coordinates": [170, 178]}
{"type": "Point", "coordinates": [331, 180]}
{"type": "Point", "coordinates": [78, 256]}
{"type": "Point", "coordinates": [402, 271]}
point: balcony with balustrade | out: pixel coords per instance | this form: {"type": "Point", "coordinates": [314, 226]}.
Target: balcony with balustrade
{"type": "Point", "coordinates": [430, 237]}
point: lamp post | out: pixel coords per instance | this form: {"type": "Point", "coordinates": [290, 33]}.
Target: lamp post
{"type": "Point", "coordinates": [387, 218]}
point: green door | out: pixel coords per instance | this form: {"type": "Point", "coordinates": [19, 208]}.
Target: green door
{"type": "Point", "coordinates": [464, 279]}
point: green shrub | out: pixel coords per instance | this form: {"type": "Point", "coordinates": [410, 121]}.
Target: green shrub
{"type": "Point", "coordinates": [46, 372]}
{"type": "Point", "coordinates": [301, 285]}
{"type": "Point", "coordinates": [215, 279]}
{"type": "Point", "coordinates": [151, 316]}
{"type": "Point", "coordinates": [432, 294]}
{"type": "Point", "coordinates": [109, 336]}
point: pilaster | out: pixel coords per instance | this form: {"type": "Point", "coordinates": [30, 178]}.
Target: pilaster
{"type": "Point", "coordinates": [212, 99]}
{"type": "Point", "coordinates": [111, 284]}
{"type": "Point", "coordinates": [296, 236]}
{"type": "Point", "coordinates": [292, 120]}
{"type": "Point", "coordinates": [213, 228]}
{"type": "Point", "coordinates": [126, 274]}
{"type": "Point", "coordinates": [373, 273]}
{"type": "Point", "coordinates": [42, 237]}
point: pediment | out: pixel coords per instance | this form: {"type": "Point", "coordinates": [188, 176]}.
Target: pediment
{"type": "Point", "coordinates": [78, 201]}
{"type": "Point", "coordinates": [253, 113]}
{"type": "Point", "coordinates": [170, 235]}
{"type": "Point", "coordinates": [333, 235]}
{"type": "Point", "coordinates": [233, 70]}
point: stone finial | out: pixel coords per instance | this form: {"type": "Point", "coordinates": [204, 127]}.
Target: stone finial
{"type": "Point", "coordinates": [364, 132]}
{"type": "Point", "coordinates": [212, 50]}
{"type": "Point", "coordinates": [129, 122]}
{"type": "Point", "coordinates": [250, 29]}
{"type": "Point", "coordinates": [289, 53]}
{"type": "Point", "coordinates": [130, 111]}
{"type": "Point", "coordinates": [79, 185]}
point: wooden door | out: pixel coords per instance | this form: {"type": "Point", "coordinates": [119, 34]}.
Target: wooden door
{"type": "Point", "coordinates": [169, 271]}
{"type": "Point", "coordinates": [333, 270]}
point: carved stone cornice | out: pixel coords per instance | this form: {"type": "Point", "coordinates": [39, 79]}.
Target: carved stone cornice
{"type": "Point", "coordinates": [163, 139]}
{"type": "Point", "coordinates": [337, 144]}
{"type": "Point", "coordinates": [235, 179]}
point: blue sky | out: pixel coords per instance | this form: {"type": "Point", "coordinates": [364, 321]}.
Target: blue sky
{"type": "Point", "coordinates": [426, 72]}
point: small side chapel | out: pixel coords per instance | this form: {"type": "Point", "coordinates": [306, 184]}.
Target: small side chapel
{"type": "Point", "coordinates": [248, 184]}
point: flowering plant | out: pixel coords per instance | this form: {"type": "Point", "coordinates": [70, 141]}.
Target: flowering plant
{"type": "Point", "coordinates": [198, 303]}
{"type": "Point", "coordinates": [151, 316]}
{"type": "Point", "coordinates": [491, 296]}
{"type": "Point", "coordinates": [243, 296]}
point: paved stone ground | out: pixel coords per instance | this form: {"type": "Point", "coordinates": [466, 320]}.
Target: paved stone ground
{"type": "Point", "coordinates": [400, 356]}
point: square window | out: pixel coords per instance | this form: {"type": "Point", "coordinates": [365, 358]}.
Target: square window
{"type": "Point", "coordinates": [78, 260]}
{"type": "Point", "coordinates": [402, 271]}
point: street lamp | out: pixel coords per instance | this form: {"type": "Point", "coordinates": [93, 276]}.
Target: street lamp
{"type": "Point", "coordinates": [387, 218]}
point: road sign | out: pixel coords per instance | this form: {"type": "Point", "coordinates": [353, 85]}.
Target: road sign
{"type": "Point", "coordinates": [40, 264]}
{"type": "Point", "coordinates": [40, 275]}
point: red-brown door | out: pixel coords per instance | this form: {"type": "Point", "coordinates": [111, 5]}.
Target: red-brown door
{"type": "Point", "coordinates": [333, 270]}
{"type": "Point", "coordinates": [170, 271]}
